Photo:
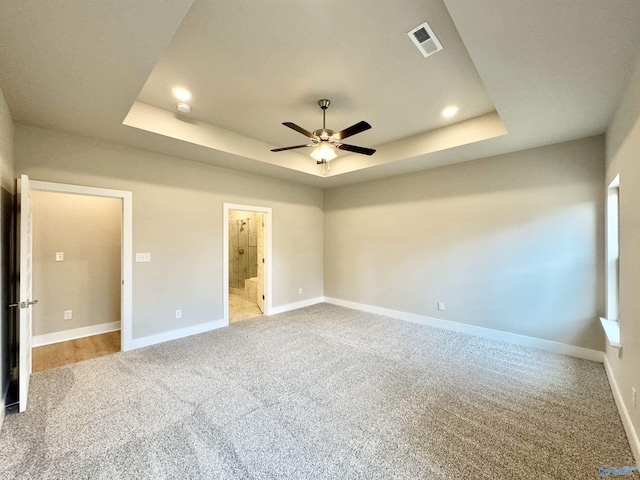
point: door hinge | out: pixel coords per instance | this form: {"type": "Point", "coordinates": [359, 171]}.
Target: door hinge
{"type": "Point", "coordinates": [263, 297]}
{"type": "Point", "coordinates": [263, 260]}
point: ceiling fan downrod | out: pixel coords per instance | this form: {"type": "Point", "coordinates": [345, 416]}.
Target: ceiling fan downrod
{"type": "Point", "coordinates": [324, 104]}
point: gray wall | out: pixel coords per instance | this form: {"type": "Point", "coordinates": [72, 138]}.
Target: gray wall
{"type": "Point", "coordinates": [626, 115]}
{"type": "Point", "coordinates": [6, 206]}
{"type": "Point", "coordinates": [512, 243]}
{"type": "Point", "coordinates": [177, 217]}
{"type": "Point", "coordinates": [623, 157]}
{"type": "Point", "coordinates": [6, 146]}
{"type": "Point", "coordinates": [88, 231]}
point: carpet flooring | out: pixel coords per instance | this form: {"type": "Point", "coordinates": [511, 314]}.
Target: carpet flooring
{"type": "Point", "coordinates": [323, 392]}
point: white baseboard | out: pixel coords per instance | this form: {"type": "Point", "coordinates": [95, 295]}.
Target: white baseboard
{"type": "Point", "coordinates": [176, 334]}
{"type": "Point", "coordinates": [206, 327]}
{"type": "Point", "coordinates": [632, 435]}
{"type": "Point", "coordinates": [294, 306]}
{"type": "Point", "coordinates": [555, 347]}
{"type": "Point", "coordinates": [48, 338]}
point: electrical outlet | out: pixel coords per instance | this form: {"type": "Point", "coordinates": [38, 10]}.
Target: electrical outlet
{"type": "Point", "coordinates": [633, 398]}
{"type": "Point", "coordinates": [59, 256]}
{"type": "Point", "coordinates": [441, 306]}
{"type": "Point", "coordinates": [178, 313]}
{"type": "Point", "coordinates": [68, 314]}
{"type": "Point", "coordinates": [299, 291]}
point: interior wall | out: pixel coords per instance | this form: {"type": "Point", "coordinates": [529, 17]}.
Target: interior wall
{"type": "Point", "coordinates": [623, 157]}
{"type": "Point", "coordinates": [177, 217]}
{"type": "Point", "coordinates": [87, 230]}
{"type": "Point", "coordinates": [626, 114]}
{"type": "Point", "coordinates": [512, 243]}
{"type": "Point", "coordinates": [7, 189]}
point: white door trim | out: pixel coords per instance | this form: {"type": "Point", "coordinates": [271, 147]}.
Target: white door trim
{"type": "Point", "coordinates": [126, 305]}
{"type": "Point", "coordinates": [268, 294]}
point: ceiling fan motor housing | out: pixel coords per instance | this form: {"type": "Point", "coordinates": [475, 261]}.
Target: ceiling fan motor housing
{"type": "Point", "coordinates": [323, 134]}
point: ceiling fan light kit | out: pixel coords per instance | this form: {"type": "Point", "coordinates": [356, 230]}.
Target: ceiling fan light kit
{"type": "Point", "coordinates": [323, 153]}
{"type": "Point", "coordinates": [326, 140]}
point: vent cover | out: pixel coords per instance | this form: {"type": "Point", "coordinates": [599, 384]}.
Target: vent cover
{"type": "Point", "coordinates": [424, 38]}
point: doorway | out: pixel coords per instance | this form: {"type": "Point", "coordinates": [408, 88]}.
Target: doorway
{"type": "Point", "coordinates": [247, 248]}
{"type": "Point", "coordinates": [25, 302]}
{"type": "Point", "coordinates": [125, 257]}
{"type": "Point", "coordinates": [77, 253]}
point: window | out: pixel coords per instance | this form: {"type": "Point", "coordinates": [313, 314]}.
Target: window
{"type": "Point", "coordinates": [611, 324]}
{"type": "Point", "coordinates": [613, 248]}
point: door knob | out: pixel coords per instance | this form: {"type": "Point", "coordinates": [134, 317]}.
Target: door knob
{"type": "Point", "coordinates": [23, 304]}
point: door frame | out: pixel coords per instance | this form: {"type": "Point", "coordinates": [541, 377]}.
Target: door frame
{"type": "Point", "coordinates": [267, 287]}
{"type": "Point", "coordinates": [126, 288]}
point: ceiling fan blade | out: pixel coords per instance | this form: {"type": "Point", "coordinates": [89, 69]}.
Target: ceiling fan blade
{"type": "Point", "coordinates": [289, 148]}
{"type": "Point", "coordinates": [353, 148]}
{"type": "Point", "coordinates": [352, 130]}
{"type": "Point", "coordinates": [299, 129]}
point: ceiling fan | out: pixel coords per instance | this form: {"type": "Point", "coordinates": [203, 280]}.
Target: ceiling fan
{"type": "Point", "coordinates": [326, 140]}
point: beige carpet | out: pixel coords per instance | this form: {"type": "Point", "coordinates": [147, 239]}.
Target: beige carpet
{"type": "Point", "coordinates": [320, 393]}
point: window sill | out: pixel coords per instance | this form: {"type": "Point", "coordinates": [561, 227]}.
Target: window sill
{"type": "Point", "coordinates": [612, 331]}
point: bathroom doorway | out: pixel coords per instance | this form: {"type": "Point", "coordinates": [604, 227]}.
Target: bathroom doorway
{"type": "Point", "coordinates": [247, 262]}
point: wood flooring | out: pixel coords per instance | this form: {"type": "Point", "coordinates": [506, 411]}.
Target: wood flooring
{"type": "Point", "coordinates": [72, 351]}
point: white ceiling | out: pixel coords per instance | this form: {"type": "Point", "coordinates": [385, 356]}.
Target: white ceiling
{"type": "Point", "coordinates": [250, 73]}
{"type": "Point", "coordinates": [523, 73]}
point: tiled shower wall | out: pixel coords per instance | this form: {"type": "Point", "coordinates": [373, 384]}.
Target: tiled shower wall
{"type": "Point", "coordinates": [243, 247]}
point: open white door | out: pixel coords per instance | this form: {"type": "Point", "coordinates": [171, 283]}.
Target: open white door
{"type": "Point", "coordinates": [25, 273]}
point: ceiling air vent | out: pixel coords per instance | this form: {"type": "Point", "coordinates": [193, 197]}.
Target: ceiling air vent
{"type": "Point", "coordinates": [424, 38]}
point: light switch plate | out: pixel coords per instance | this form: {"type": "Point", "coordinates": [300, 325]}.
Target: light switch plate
{"type": "Point", "coordinates": [143, 257]}
{"type": "Point", "coordinates": [59, 256]}
{"type": "Point", "coordinates": [68, 314]}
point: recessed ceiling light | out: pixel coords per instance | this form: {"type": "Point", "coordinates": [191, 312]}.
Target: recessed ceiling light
{"type": "Point", "coordinates": [181, 94]}
{"type": "Point", "coordinates": [183, 107]}
{"type": "Point", "coordinates": [449, 111]}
